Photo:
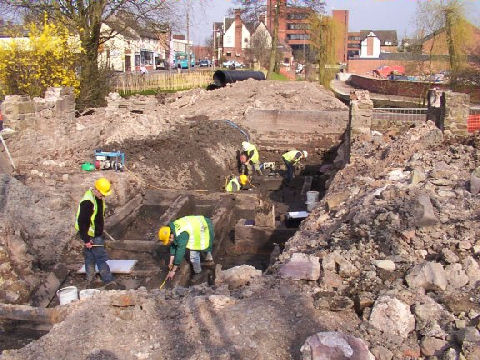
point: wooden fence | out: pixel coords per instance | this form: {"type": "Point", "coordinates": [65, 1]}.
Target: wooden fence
{"type": "Point", "coordinates": [162, 81]}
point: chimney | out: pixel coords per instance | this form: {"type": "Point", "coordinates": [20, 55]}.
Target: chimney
{"type": "Point", "coordinates": [238, 32]}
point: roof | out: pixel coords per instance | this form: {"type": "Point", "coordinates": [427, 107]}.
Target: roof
{"type": "Point", "coordinates": [383, 36]}
{"type": "Point", "coordinates": [228, 22]}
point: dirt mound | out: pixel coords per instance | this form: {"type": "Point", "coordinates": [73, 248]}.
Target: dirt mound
{"type": "Point", "coordinates": [196, 155]}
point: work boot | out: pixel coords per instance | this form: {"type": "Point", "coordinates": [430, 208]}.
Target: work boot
{"type": "Point", "coordinates": [209, 257]}
{"type": "Point", "coordinates": [113, 285]}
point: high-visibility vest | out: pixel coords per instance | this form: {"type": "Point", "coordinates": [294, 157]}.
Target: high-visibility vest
{"type": "Point", "coordinates": [255, 157]}
{"type": "Point", "coordinates": [233, 185]}
{"type": "Point", "coordinates": [290, 156]}
{"type": "Point", "coordinates": [90, 197]}
{"type": "Point", "coordinates": [197, 228]}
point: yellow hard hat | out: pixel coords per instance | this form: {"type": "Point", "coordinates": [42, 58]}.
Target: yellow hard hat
{"type": "Point", "coordinates": [103, 186]}
{"type": "Point", "coordinates": [164, 234]}
{"type": "Point", "coordinates": [243, 179]}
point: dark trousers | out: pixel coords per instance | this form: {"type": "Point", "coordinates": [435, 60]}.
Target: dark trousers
{"type": "Point", "coordinates": [290, 171]}
{"type": "Point", "coordinates": [97, 255]}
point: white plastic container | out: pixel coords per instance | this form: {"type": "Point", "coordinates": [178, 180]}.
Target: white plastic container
{"type": "Point", "coordinates": [311, 205]}
{"type": "Point", "coordinates": [312, 196]}
{"type": "Point", "coordinates": [67, 295]}
{"type": "Point", "coordinates": [88, 293]}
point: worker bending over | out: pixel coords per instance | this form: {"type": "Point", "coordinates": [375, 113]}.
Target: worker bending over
{"type": "Point", "coordinates": [190, 232]}
{"type": "Point", "coordinates": [291, 159]}
{"type": "Point", "coordinates": [250, 156]}
{"type": "Point", "coordinates": [89, 223]}
{"type": "Point", "coordinates": [236, 183]}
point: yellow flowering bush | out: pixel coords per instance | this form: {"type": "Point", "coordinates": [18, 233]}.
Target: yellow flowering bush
{"type": "Point", "coordinates": [46, 58]}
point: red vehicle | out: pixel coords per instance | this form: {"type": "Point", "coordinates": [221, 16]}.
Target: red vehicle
{"type": "Point", "coordinates": [385, 70]}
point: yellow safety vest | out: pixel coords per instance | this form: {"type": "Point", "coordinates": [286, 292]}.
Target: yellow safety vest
{"type": "Point", "coordinates": [255, 157]}
{"type": "Point", "coordinates": [290, 156]}
{"type": "Point", "coordinates": [197, 228]}
{"type": "Point", "coordinates": [90, 197]}
{"type": "Point", "coordinates": [233, 185]}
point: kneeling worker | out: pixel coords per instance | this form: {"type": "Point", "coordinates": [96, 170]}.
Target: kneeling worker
{"type": "Point", "coordinates": [190, 232]}
{"type": "Point", "coordinates": [250, 156]}
{"type": "Point", "coordinates": [291, 158]}
{"type": "Point", "coordinates": [236, 183]}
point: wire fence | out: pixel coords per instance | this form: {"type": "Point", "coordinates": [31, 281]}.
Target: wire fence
{"type": "Point", "coordinates": [400, 114]}
{"type": "Point", "coordinates": [163, 81]}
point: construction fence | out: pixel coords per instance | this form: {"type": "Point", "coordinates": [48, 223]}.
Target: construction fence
{"type": "Point", "coordinates": [162, 81]}
{"type": "Point", "coordinates": [473, 123]}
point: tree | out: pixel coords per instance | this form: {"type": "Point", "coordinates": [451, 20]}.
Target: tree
{"type": "Point", "coordinates": [441, 26]}
{"type": "Point", "coordinates": [84, 18]}
{"type": "Point", "coordinates": [253, 9]}
{"type": "Point", "coordinates": [260, 45]}
{"type": "Point", "coordinates": [47, 58]}
{"type": "Point", "coordinates": [322, 38]}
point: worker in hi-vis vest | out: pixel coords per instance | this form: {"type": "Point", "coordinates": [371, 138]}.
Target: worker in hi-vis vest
{"type": "Point", "coordinates": [250, 156]}
{"type": "Point", "coordinates": [194, 233]}
{"type": "Point", "coordinates": [89, 223]}
{"type": "Point", "coordinates": [291, 159]}
{"type": "Point", "coordinates": [236, 183]}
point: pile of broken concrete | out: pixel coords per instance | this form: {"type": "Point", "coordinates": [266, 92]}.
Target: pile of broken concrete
{"type": "Point", "coordinates": [396, 240]}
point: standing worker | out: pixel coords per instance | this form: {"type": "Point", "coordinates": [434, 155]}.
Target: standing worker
{"type": "Point", "coordinates": [236, 183]}
{"type": "Point", "coordinates": [193, 232]}
{"type": "Point", "coordinates": [89, 223]}
{"type": "Point", "coordinates": [291, 159]}
{"type": "Point", "coordinates": [250, 156]}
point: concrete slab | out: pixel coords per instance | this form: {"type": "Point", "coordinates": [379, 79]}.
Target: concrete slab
{"type": "Point", "coordinates": [116, 266]}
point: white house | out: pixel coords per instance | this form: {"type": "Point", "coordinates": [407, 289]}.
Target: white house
{"type": "Point", "coordinates": [370, 47]}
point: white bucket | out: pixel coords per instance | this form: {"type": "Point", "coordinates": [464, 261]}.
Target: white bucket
{"type": "Point", "coordinates": [312, 196]}
{"type": "Point", "coordinates": [311, 205]}
{"type": "Point", "coordinates": [67, 295]}
{"type": "Point", "coordinates": [88, 293]}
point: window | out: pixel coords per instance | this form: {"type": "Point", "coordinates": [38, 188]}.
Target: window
{"type": "Point", "coordinates": [354, 38]}
{"type": "Point", "coordinates": [137, 60]}
{"type": "Point", "coordinates": [297, 26]}
{"type": "Point", "coordinates": [388, 43]}
{"type": "Point", "coordinates": [229, 53]}
{"type": "Point", "coordinates": [298, 37]}
{"type": "Point", "coordinates": [146, 57]}
{"type": "Point", "coordinates": [297, 16]}
{"type": "Point", "coordinates": [354, 46]}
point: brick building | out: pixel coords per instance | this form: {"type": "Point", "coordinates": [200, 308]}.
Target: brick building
{"type": "Point", "coordinates": [293, 29]}
{"type": "Point", "coordinates": [340, 18]}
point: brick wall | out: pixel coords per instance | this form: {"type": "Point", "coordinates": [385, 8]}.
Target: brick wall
{"type": "Point", "coordinates": [404, 88]}
{"type": "Point", "coordinates": [366, 66]}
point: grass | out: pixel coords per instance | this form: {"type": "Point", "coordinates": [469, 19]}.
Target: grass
{"type": "Point", "coordinates": [280, 77]}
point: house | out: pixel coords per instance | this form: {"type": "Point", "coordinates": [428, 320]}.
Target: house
{"type": "Point", "coordinates": [130, 49]}
{"type": "Point", "coordinates": [370, 46]}
{"type": "Point", "coordinates": [388, 42]}
{"type": "Point", "coordinates": [236, 38]}
{"type": "Point", "coordinates": [436, 43]}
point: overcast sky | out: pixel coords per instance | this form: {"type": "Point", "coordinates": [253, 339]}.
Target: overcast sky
{"type": "Point", "coordinates": [364, 14]}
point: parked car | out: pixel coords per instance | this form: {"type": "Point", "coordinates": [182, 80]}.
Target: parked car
{"type": "Point", "coordinates": [204, 63]}
{"type": "Point", "coordinates": [233, 64]}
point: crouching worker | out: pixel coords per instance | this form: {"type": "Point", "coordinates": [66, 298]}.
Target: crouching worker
{"type": "Point", "coordinates": [236, 183]}
{"type": "Point", "coordinates": [194, 233]}
{"type": "Point", "coordinates": [89, 224]}
{"type": "Point", "coordinates": [250, 156]}
{"type": "Point", "coordinates": [291, 159]}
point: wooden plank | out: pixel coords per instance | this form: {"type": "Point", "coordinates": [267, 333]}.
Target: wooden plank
{"type": "Point", "coordinates": [134, 245]}
{"type": "Point", "coordinates": [47, 290]}
{"type": "Point", "coordinates": [123, 216]}
{"type": "Point", "coordinates": [31, 313]}
{"type": "Point", "coordinates": [222, 219]}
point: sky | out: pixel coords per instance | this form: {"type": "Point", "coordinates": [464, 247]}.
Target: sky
{"type": "Point", "coordinates": [364, 15]}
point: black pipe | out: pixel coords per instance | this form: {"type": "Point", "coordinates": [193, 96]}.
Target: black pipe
{"type": "Point", "coordinates": [223, 77]}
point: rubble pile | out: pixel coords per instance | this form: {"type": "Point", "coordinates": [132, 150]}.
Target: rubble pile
{"type": "Point", "coordinates": [397, 236]}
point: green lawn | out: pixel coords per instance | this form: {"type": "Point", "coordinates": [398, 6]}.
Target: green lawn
{"type": "Point", "coordinates": [280, 77]}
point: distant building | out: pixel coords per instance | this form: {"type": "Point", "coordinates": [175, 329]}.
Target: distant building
{"type": "Point", "coordinates": [387, 41]}
{"type": "Point", "coordinates": [236, 38]}
{"type": "Point", "coordinates": [370, 47]}
{"type": "Point", "coordinates": [178, 43]}
{"type": "Point", "coordinates": [340, 19]}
